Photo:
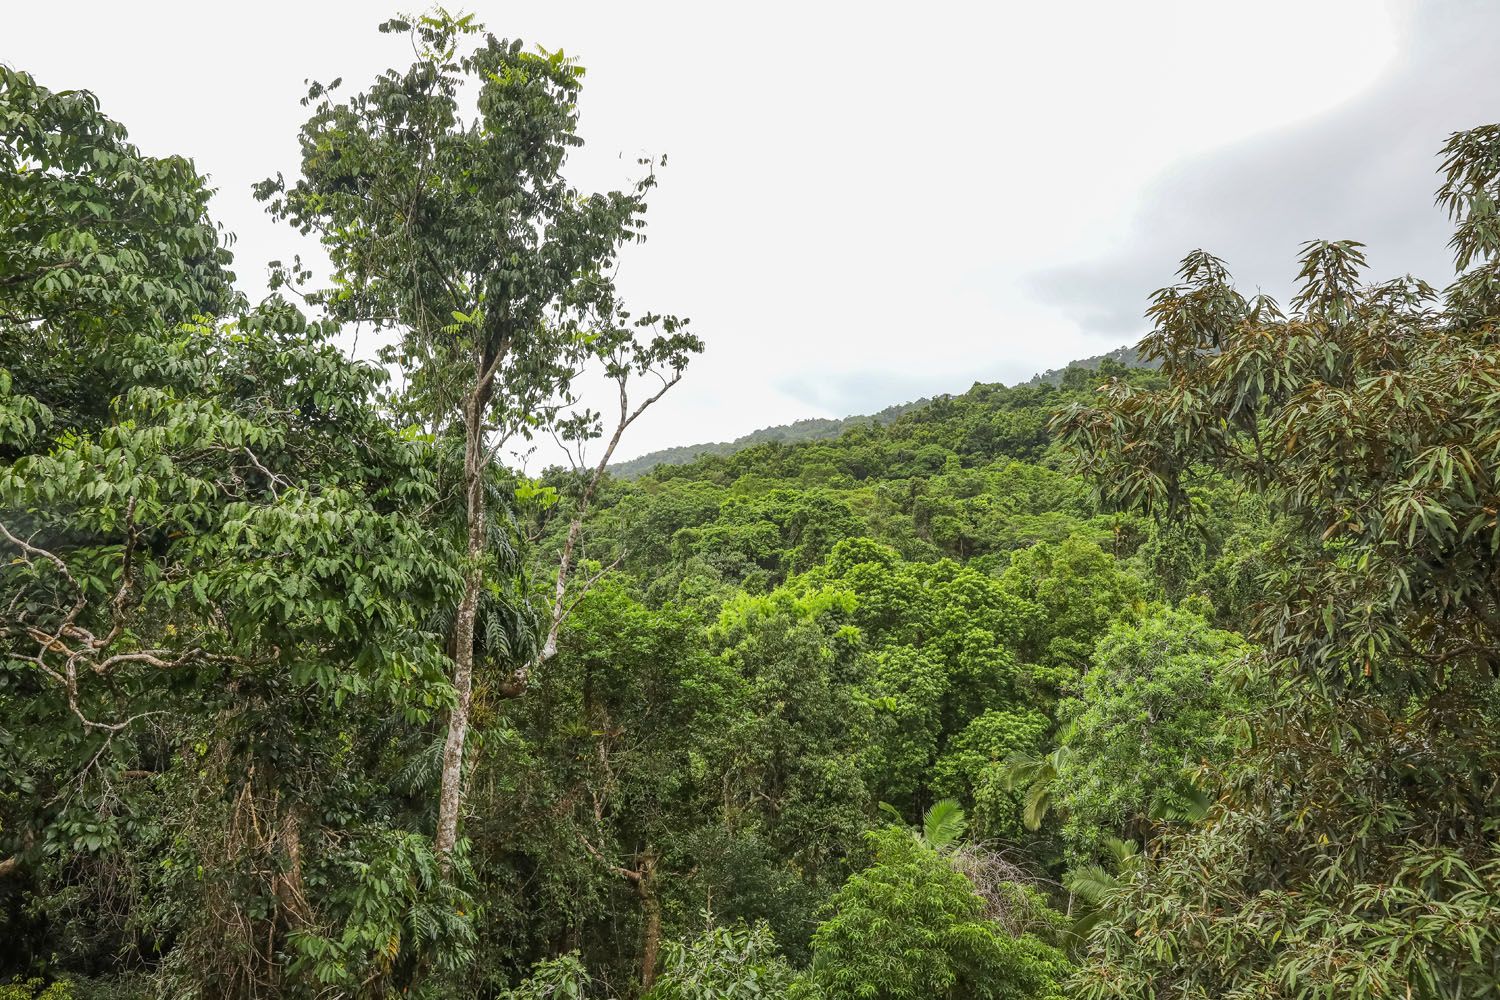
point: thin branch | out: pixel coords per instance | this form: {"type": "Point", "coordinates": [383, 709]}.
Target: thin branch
{"type": "Point", "coordinates": [560, 607]}
{"type": "Point", "coordinates": [62, 567]}
{"type": "Point", "coordinates": [273, 478]}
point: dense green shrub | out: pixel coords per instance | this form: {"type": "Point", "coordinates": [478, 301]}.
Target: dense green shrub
{"type": "Point", "coordinates": [910, 927]}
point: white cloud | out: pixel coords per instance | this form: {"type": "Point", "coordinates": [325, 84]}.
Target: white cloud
{"type": "Point", "coordinates": [858, 195]}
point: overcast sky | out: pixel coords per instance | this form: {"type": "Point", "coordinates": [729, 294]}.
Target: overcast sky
{"type": "Point", "coordinates": [867, 203]}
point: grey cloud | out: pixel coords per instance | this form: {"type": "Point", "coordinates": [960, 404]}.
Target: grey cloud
{"type": "Point", "coordinates": [1366, 171]}
{"type": "Point", "coordinates": [863, 392]}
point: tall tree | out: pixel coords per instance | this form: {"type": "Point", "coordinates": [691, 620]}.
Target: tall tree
{"type": "Point", "coordinates": [211, 552]}
{"type": "Point", "coordinates": [462, 234]}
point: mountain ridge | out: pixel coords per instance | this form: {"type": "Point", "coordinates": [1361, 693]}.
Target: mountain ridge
{"type": "Point", "coordinates": [827, 428]}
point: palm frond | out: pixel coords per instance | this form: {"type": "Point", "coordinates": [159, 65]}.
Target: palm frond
{"type": "Point", "coordinates": [1123, 851]}
{"type": "Point", "coordinates": [943, 824]}
{"type": "Point", "coordinates": [1090, 883]}
{"type": "Point", "coordinates": [1194, 807]}
{"type": "Point", "coordinates": [1036, 805]}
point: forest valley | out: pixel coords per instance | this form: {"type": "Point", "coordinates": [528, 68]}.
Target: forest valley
{"type": "Point", "coordinates": [1168, 681]}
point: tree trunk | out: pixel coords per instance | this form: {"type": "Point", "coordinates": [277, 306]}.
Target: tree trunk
{"type": "Point", "coordinates": [288, 887]}
{"type": "Point", "coordinates": [450, 796]}
{"type": "Point", "coordinates": [650, 921]}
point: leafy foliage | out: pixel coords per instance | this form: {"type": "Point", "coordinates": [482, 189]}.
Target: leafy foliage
{"type": "Point", "coordinates": [561, 978]}
{"type": "Point", "coordinates": [724, 963]}
{"type": "Point", "coordinates": [261, 604]}
{"type": "Point", "coordinates": [1351, 852]}
{"type": "Point", "coordinates": [910, 925]}
{"type": "Point", "coordinates": [943, 824]}
{"type": "Point", "coordinates": [464, 237]}
{"type": "Point", "coordinates": [1153, 710]}
{"type": "Point", "coordinates": [101, 243]}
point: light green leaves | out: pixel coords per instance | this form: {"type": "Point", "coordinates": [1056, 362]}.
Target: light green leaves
{"type": "Point", "coordinates": [531, 492]}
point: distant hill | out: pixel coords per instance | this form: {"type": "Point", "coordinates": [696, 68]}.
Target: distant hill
{"type": "Point", "coordinates": [1127, 356]}
{"type": "Point", "coordinates": [811, 429]}
{"type": "Point", "coordinates": [823, 429]}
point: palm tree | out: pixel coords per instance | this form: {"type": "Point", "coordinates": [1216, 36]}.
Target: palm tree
{"type": "Point", "coordinates": [1037, 775]}
{"type": "Point", "coordinates": [943, 824]}
{"type": "Point", "coordinates": [1091, 885]}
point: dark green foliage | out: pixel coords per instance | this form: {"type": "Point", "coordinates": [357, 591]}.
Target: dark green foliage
{"type": "Point", "coordinates": [972, 766]}
{"type": "Point", "coordinates": [220, 573]}
{"type": "Point", "coordinates": [100, 244]}
{"type": "Point", "coordinates": [561, 978]}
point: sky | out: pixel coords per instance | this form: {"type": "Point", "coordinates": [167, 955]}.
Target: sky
{"type": "Point", "coordinates": [866, 203]}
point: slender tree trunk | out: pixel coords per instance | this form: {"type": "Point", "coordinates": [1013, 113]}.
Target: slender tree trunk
{"type": "Point", "coordinates": [288, 887]}
{"type": "Point", "coordinates": [645, 886]}
{"type": "Point", "coordinates": [560, 588]}
{"type": "Point", "coordinates": [450, 796]}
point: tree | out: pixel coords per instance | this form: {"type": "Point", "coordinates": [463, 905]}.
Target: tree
{"type": "Point", "coordinates": [463, 236]}
{"type": "Point", "coordinates": [911, 926]}
{"type": "Point", "coordinates": [1351, 852]}
{"type": "Point", "coordinates": [791, 771]}
{"type": "Point", "coordinates": [724, 963]}
{"type": "Point", "coordinates": [610, 753]}
{"type": "Point", "coordinates": [216, 553]}
{"type": "Point", "coordinates": [974, 766]}
{"type": "Point", "coordinates": [100, 243]}
{"type": "Point", "coordinates": [937, 641]}
{"type": "Point", "coordinates": [216, 569]}
{"type": "Point", "coordinates": [1156, 707]}
{"type": "Point", "coordinates": [1081, 590]}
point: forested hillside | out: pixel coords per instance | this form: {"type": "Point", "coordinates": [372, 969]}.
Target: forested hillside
{"type": "Point", "coordinates": [1174, 679]}
{"type": "Point", "coordinates": [1129, 356]}
{"type": "Point", "coordinates": [821, 428]}
{"type": "Point", "coordinates": [810, 429]}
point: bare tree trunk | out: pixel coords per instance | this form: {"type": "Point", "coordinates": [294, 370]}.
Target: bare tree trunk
{"type": "Point", "coordinates": [645, 886]}
{"type": "Point", "coordinates": [288, 887]}
{"type": "Point", "coordinates": [564, 565]}
{"type": "Point", "coordinates": [643, 878]}
{"type": "Point", "coordinates": [450, 795]}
